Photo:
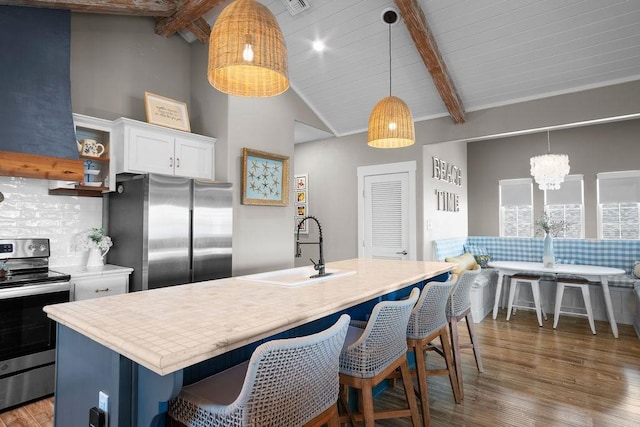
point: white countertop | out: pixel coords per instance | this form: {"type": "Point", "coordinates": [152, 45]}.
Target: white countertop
{"type": "Point", "coordinates": [168, 329]}
{"type": "Point", "coordinates": [78, 271]}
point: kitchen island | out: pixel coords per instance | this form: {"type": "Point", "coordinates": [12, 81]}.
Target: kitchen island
{"type": "Point", "coordinates": [136, 347]}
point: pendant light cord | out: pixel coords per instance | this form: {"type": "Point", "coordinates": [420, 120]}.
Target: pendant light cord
{"type": "Point", "coordinates": [548, 143]}
{"type": "Point", "coordinates": [389, 59]}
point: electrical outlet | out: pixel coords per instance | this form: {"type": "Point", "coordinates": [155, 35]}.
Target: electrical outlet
{"type": "Point", "coordinates": [103, 403]}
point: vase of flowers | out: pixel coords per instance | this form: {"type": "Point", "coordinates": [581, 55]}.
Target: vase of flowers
{"type": "Point", "coordinates": [4, 269]}
{"type": "Point", "coordinates": [551, 229]}
{"type": "Point", "coordinates": [97, 243]}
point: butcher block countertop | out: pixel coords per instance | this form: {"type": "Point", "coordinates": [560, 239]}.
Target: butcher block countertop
{"type": "Point", "coordinates": [168, 329]}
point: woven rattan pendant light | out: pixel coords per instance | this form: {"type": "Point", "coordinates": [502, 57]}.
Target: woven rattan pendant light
{"type": "Point", "coordinates": [390, 122]}
{"type": "Point", "coordinates": [247, 52]}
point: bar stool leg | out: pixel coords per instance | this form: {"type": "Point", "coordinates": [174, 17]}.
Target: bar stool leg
{"type": "Point", "coordinates": [421, 371]}
{"type": "Point", "coordinates": [474, 341]}
{"type": "Point", "coordinates": [367, 405]}
{"type": "Point", "coordinates": [409, 394]}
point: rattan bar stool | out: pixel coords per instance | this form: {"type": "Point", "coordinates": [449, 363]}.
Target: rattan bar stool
{"type": "Point", "coordinates": [372, 351]}
{"type": "Point", "coordinates": [428, 322]}
{"type": "Point", "coordinates": [288, 382]}
{"type": "Point", "coordinates": [586, 296]}
{"type": "Point", "coordinates": [534, 282]}
{"type": "Point", "coordinates": [458, 308]}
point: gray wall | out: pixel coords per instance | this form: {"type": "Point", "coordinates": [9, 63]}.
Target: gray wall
{"type": "Point", "coordinates": [591, 149]}
{"type": "Point", "coordinates": [575, 107]}
{"type": "Point", "coordinates": [333, 190]}
{"type": "Point", "coordinates": [115, 59]}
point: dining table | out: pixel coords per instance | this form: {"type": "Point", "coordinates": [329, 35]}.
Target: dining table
{"type": "Point", "coordinates": [592, 273]}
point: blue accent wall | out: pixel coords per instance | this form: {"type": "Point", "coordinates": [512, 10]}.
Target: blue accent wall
{"type": "Point", "coordinates": [35, 87]}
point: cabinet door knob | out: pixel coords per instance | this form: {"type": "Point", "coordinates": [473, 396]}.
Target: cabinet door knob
{"type": "Point", "coordinates": [177, 162]}
{"type": "Point", "coordinates": [102, 290]}
{"type": "Point", "coordinates": [170, 162]}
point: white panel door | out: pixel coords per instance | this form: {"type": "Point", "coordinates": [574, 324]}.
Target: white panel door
{"type": "Point", "coordinates": [386, 216]}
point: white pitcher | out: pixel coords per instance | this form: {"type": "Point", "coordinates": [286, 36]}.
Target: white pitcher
{"type": "Point", "coordinates": [96, 257]}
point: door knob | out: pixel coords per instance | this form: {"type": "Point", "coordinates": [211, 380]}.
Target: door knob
{"type": "Point", "coordinates": [401, 253]}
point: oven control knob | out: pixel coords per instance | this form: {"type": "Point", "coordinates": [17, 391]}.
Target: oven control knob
{"type": "Point", "coordinates": [4, 367]}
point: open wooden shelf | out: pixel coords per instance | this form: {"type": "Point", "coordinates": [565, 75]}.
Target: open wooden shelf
{"type": "Point", "coordinates": [79, 190]}
{"type": "Point", "coordinates": [97, 159]}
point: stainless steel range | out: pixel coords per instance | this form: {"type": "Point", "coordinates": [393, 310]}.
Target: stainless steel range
{"type": "Point", "coordinates": [27, 335]}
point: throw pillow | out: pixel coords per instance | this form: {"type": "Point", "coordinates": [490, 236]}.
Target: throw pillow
{"type": "Point", "coordinates": [476, 250]}
{"type": "Point", "coordinates": [636, 269]}
{"type": "Point", "coordinates": [483, 260]}
{"type": "Point", "coordinates": [465, 261]}
{"type": "Point", "coordinates": [480, 253]}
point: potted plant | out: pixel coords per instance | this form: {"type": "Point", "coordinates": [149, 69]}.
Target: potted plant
{"type": "Point", "coordinates": [98, 244]}
{"type": "Point", "coordinates": [4, 269]}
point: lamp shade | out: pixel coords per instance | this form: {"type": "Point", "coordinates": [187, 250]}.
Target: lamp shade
{"type": "Point", "coordinates": [391, 124]}
{"type": "Point", "coordinates": [247, 52]}
{"type": "Point", "coordinates": [549, 170]}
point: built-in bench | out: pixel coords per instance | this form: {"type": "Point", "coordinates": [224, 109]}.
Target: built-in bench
{"type": "Point", "coordinates": [608, 253]}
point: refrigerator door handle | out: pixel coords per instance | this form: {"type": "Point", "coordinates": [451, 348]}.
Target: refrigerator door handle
{"type": "Point", "coordinates": [191, 276]}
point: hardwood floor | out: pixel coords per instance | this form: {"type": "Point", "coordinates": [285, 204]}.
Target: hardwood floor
{"type": "Point", "coordinates": [533, 376]}
{"type": "Point", "coordinates": [37, 414]}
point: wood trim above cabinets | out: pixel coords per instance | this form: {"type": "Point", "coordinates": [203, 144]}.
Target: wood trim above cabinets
{"type": "Point", "coordinates": [40, 167]}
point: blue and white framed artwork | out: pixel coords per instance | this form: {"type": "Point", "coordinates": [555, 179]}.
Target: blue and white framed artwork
{"type": "Point", "coordinates": [265, 178]}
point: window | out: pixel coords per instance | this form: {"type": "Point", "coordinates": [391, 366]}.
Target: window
{"type": "Point", "coordinates": [567, 205]}
{"type": "Point", "coordinates": [516, 207]}
{"type": "Point", "coordinates": [618, 205]}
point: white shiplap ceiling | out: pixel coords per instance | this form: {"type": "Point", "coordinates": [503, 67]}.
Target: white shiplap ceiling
{"type": "Point", "coordinates": [498, 52]}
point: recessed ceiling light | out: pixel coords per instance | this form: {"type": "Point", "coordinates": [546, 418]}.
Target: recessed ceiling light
{"type": "Point", "coordinates": [318, 45]}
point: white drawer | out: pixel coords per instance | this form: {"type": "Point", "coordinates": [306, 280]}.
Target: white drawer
{"type": "Point", "coordinates": [98, 287]}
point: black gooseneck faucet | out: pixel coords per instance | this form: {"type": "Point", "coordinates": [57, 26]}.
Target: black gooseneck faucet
{"type": "Point", "coordinates": [319, 266]}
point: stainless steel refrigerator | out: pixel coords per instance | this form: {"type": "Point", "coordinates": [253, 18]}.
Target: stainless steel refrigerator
{"type": "Point", "coordinates": [170, 230]}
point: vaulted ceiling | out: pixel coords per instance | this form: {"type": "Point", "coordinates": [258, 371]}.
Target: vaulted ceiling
{"type": "Point", "coordinates": [449, 57]}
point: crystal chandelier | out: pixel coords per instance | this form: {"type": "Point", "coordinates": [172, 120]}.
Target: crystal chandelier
{"type": "Point", "coordinates": [549, 169]}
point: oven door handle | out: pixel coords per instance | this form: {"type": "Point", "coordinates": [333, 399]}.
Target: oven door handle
{"type": "Point", "coordinates": [30, 290]}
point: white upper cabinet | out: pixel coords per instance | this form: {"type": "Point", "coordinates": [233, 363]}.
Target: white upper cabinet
{"type": "Point", "coordinates": [147, 148]}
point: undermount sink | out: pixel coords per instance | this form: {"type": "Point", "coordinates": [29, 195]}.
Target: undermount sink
{"type": "Point", "coordinates": [293, 277]}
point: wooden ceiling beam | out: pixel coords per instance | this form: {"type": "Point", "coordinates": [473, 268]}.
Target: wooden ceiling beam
{"type": "Point", "coordinates": [118, 7]}
{"type": "Point", "coordinates": [190, 11]}
{"type": "Point", "coordinates": [201, 29]}
{"type": "Point", "coordinates": [420, 32]}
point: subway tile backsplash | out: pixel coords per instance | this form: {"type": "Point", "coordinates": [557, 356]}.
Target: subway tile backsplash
{"type": "Point", "coordinates": [29, 211]}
